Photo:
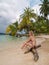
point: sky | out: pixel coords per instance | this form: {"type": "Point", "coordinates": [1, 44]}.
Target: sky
{"type": "Point", "coordinates": [10, 10]}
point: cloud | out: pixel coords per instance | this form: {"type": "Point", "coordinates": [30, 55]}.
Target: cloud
{"type": "Point", "coordinates": [36, 9]}
{"type": "Point", "coordinates": [10, 10]}
{"type": "Point", "coordinates": [3, 23]}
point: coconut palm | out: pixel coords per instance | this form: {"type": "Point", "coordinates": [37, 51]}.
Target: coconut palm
{"type": "Point", "coordinates": [26, 19]}
{"type": "Point", "coordinates": [28, 13]}
{"type": "Point", "coordinates": [12, 29]}
{"type": "Point", "coordinates": [44, 10]}
{"type": "Point", "coordinates": [41, 25]}
{"type": "Point", "coordinates": [16, 25]}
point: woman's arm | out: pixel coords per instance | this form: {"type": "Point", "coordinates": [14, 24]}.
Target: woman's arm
{"type": "Point", "coordinates": [24, 44]}
{"type": "Point", "coordinates": [28, 40]}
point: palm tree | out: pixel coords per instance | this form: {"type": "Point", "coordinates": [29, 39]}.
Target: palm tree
{"type": "Point", "coordinates": [28, 13]}
{"type": "Point", "coordinates": [16, 25]}
{"type": "Point", "coordinates": [26, 18]}
{"type": "Point", "coordinates": [44, 10]}
{"type": "Point", "coordinates": [12, 29]}
{"type": "Point", "coordinates": [41, 25]}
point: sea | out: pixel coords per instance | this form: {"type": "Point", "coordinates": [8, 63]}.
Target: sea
{"type": "Point", "coordinates": [7, 41]}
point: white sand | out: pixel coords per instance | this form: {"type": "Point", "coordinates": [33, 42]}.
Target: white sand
{"type": "Point", "coordinates": [15, 56]}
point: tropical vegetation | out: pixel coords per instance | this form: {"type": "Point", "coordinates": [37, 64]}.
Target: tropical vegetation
{"type": "Point", "coordinates": [31, 21]}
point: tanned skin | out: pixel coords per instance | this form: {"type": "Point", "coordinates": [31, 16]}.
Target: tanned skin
{"type": "Point", "coordinates": [31, 42]}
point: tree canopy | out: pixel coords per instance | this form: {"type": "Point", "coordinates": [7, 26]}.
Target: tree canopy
{"type": "Point", "coordinates": [40, 25]}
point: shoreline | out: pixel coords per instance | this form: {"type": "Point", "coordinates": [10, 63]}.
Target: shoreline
{"type": "Point", "coordinates": [14, 55]}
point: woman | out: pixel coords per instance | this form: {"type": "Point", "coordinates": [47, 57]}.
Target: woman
{"type": "Point", "coordinates": [31, 42]}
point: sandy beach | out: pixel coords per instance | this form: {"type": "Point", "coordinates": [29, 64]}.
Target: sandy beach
{"type": "Point", "coordinates": [14, 55]}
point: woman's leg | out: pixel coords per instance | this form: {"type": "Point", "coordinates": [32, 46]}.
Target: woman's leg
{"type": "Point", "coordinates": [29, 46]}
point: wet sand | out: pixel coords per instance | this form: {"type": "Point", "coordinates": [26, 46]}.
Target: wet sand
{"type": "Point", "coordinates": [14, 55]}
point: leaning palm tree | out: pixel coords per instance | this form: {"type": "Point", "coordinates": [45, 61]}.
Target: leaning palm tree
{"type": "Point", "coordinates": [44, 10]}
{"type": "Point", "coordinates": [26, 18]}
{"type": "Point", "coordinates": [16, 25]}
{"type": "Point", "coordinates": [12, 29]}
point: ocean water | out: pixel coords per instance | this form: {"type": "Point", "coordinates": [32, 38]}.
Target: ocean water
{"type": "Point", "coordinates": [7, 41]}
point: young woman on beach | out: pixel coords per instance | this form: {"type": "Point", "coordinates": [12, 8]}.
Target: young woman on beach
{"type": "Point", "coordinates": [31, 42]}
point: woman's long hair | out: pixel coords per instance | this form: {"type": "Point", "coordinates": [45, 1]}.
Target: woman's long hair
{"type": "Point", "coordinates": [31, 32]}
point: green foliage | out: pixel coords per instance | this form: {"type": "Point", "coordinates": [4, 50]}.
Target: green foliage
{"type": "Point", "coordinates": [12, 29]}
{"type": "Point", "coordinates": [26, 19]}
{"type": "Point", "coordinates": [44, 10]}
{"type": "Point", "coordinates": [41, 24]}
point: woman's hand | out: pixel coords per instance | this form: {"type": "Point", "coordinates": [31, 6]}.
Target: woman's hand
{"type": "Point", "coordinates": [23, 45]}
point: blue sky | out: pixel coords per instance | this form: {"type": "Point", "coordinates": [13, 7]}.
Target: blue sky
{"type": "Point", "coordinates": [10, 10]}
{"type": "Point", "coordinates": [34, 2]}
